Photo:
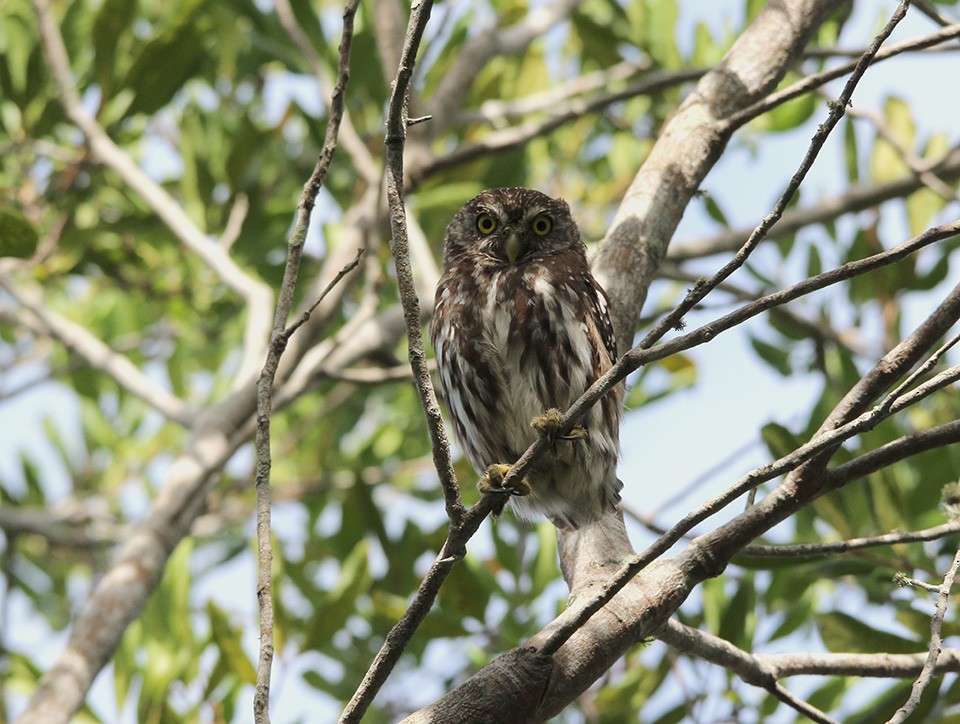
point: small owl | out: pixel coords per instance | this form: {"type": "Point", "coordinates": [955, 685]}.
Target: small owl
{"type": "Point", "coordinates": [520, 331]}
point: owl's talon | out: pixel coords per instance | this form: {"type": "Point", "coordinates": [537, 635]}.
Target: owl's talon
{"type": "Point", "coordinates": [577, 432]}
{"type": "Point", "coordinates": [548, 423]}
{"type": "Point", "coordinates": [492, 482]}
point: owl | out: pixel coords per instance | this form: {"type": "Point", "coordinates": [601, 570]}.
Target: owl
{"type": "Point", "coordinates": [520, 330]}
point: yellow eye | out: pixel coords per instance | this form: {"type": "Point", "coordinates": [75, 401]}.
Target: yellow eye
{"type": "Point", "coordinates": [541, 225]}
{"type": "Point", "coordinates": [486, 223]}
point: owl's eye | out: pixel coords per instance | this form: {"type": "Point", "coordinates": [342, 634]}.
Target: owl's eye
{"type": "Point", "coordinates": [541, 225]}
{"type": "Point", "coordinates": [486, 223]}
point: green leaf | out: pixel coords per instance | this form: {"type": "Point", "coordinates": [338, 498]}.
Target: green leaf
{"type": "Point", "coordinates": [851, 154]}
{"type": "Point", "coordinates": [777, 357]}
{"type": "Point", "coordinates": [112, 20]}
{"type": "Point", "coordinates": [842, 633]}
{"type": "Point", "coordinates": [714, 210]}
{"type": "Point", "coordinates": [544, 569]}
{"type": "Point", "coordinates": [789, 115]}
{"type": "Point", "coordinates": [18, 237]}
{"type": "Point", "coordinates": [227, 638]}
{"type": "Point", "coordinates": [330, 615]}
{"type": "Point", "coordinates": [886, 161]}
{"type": "Point", "coordinates": [164, 64]}
{"type": "Point", "coordinates": [658, 24]}
{"type": "Point", "coordinates": [778, 439]}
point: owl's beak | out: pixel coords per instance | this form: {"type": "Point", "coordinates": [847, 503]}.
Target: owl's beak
{"type": "Point", "coordinates": [513, 246]}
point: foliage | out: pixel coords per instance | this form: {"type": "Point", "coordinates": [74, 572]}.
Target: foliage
{"type": "Point", "coordinates": [220, 106]}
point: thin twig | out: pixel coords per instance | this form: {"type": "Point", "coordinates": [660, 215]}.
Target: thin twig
{"type": "Point", "coordinates": [936, 644]}
{"type": "Point", "coordinates": [932, 13]}
{"type": "Point", "coordinates": [855, 198]}
{"type": "Point", "coordinates": [401, 632]}
{"type": "Point", "coordinates": [509, 138]}
{"type": "Point", "coordinates": [278, 342]}
{"type": "Point", "coordinates": [815, 81]}
{"type": "Point", "coordinates": [803, 550]}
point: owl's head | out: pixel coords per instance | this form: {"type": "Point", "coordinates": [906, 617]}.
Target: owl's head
{"type": "Point", "coordinates": [509, 226]}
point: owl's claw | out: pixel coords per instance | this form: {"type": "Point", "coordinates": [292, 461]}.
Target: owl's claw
{"type": "Point", "coordinates": [492, 482]}
{"type": "Point", "coordinates": [548, 423]}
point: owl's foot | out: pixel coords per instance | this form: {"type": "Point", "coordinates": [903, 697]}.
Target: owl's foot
{"type": "Point", "coordinates": [548, 423]}
{"type": "Point", "coordinates": [492, 482]}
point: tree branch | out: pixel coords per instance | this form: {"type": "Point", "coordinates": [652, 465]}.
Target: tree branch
{"type": "Point", "coordinates": [752, 669]}
{"type": "Point", "coordinates": [278, 342]}
{"type": "Point", "coordinates": [936, 645]}
{"type": "Point", "coordinates": [492, 42]}
{"type": "Point", "coordinates": [803, 550]}
{"type": "Point", "coordinates": [856, 198]}
{"type": "Point", "coordinates": [257, 296]}
{"type": "Point", "coordinates": [83, 343]}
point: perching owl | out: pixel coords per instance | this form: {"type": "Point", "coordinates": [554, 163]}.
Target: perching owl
{"type": "Point", "coordinates": [521, 328]}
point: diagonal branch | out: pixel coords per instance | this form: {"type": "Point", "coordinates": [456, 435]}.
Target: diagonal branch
{"type": "Point", "coordinates": [856, 198]}
{"type": "Point", "coordinates": [86, 345]}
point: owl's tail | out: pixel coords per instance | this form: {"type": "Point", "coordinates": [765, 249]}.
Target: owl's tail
{"type": "Point", "coordinates": [593, 552]}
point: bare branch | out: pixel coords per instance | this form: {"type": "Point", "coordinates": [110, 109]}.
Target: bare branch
{"type": "Point", "coordinates": [803, 550]}
{"type": "Point", "coordinates": [748, 667]}
{"type": "Point", "coordinates": [815, 81]}
{"type": "Point", "coordinates": [83, 343]}
{"type": "Point", "coordinates": [453, 549]}
{"type": "Point", "coordinates": [516, 136]}
{"type": "Point", "coordinates": [499, 113]}
{"type": "Point", "coordinates": [936, 645]}
{"type": "Point", "coordinates": [855, 198]}
{"type": "Point", "coordinates": [931, 12]}
{"type": "Point", "coordinates": [238, 212]}
{"type": "Point", "coordinates": [278, 342]}
{"type": "Point", "coordinates": [70, 525]}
